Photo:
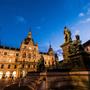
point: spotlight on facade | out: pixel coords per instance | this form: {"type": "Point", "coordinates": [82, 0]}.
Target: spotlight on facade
{"type": "Point", "coordinates": [1, 74]}
{"type": "Point", "coordinates": [23, 73]}
{"type": "Point", "coordinates": [7, 75]}
{"type": "Point", "coordinates": [14, 74]}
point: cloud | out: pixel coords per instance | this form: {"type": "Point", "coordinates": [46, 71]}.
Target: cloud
{"type": "Point", "coordinates": [87, 20]}
{"type": "Point", "coordinates": [81, 14]}
{"type": "Point", "coordinates": [77, 32]}
{"type": "Point", "coordinates": [88, 11]}
{"type": "Point", "coordinates": [85, 14]}
{"type": "Point", "coordinates": [20, 19]}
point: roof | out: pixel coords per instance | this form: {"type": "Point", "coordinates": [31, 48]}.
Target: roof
{"type": "Point", "coordinates": [43, 53]}
{"type": "Point", "coordinates": [27, 40]}
{"type": "Point", "coordinates": [86, 43]}
{"type": "Point", "coordinates": [10, 48]}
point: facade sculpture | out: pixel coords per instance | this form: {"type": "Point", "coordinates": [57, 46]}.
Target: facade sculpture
{"type": "Point", "coordinates": [75, 45]}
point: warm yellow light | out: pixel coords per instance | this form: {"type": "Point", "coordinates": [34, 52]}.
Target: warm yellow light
{"type": "Point", "coordinates": [1, 74]}
{"type": "Point", "coordinates": [10, 60]}
{"type": "Point", "coordinates": [7, 74]}
{"type": "Point", "coordinates": [30, 48]}
{"type": "Point", "coordinates": [14, 74]}
{"type": "Point", "coordinates": [24, 73]}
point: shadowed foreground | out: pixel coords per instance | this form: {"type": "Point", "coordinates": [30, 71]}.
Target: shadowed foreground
{"type": "Point", "coordinates": [54, 81]}
{"type": "Point", "coordinates": [16, 87]}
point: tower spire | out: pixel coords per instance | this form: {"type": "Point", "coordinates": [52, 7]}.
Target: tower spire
{"type": "Point", "coordinates": [30, 33]}
{"type": "Point", "coordinates": [50, 50]}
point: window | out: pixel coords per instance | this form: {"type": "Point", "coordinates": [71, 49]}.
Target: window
{"type": "Point", "coordinates": [48, 63]}
{"type": "Point", "coordinates": [2, 66]}
{"type": "Point", "coordinates": [34, 56]}
{"type": "Point", "coordinates": [23, 66]}
{"type": "Point", "coordinates": [24, 55]}
{"type": "Point", "coordinates": [16, 60]}
{"type": "Point", "coordinates": [45, 62]}
{"type": "Point", "coordinates": [0, 52]}
{"type": "Point", "coordinates": [8, 66]}
{"type": "Point", "coordinates": [29, 55]}
{"type": "Point", "coordinates": [5, 53]}
{"type": "Point", "coordinates": [17, 54]}
{"type": "Point", "coordinates": [29, 66]}
{"type": "Point", "coordinates": [15, 66]}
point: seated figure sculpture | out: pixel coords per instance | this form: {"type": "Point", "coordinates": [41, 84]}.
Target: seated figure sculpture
{"type": "Point", "coordinates": [75, 46]}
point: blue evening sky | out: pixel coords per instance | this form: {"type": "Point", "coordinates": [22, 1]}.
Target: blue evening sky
{"type": "Point", "coordinates": [46, 18]}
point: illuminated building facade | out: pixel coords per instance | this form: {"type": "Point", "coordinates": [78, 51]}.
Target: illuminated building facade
{"type": "Point", "coordinates": [16, 62]}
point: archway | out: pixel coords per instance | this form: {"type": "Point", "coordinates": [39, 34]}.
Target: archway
{"type": "Point", "coordinates": [7, 75]}
{"type": "Point", "coordinates": [24, 73]}
{"type": "Point", "coordinates": [14, 74]}
{"type": "Point", "coordinates": [1, 74]}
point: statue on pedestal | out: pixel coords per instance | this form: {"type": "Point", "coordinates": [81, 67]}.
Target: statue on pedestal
{"type": "Point", "coordinates": [75, 46]}
{"type": "Point", "coordinates": [67, 35]}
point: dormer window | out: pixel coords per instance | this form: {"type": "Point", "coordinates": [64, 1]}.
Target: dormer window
{"type": "Point", "coordinates": [17, 54]}
{"type": "Point", "coordinates": [5, 53]}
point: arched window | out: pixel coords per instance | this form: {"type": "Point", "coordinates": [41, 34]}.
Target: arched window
{"type": "Point", "coordinates": [15, 66]}
{"type": "Point", "coordinates": [1, 74]}
{"type": "Point", "coordinates": [2, 66]}
{"type": "Point", "coordinates": [23, 66]}
{"type": "Point", "coordinates": [16, 60]}
{"type": "Point", "coordinates": [5, 53]}
{"type": "Point", "coordinates": [7, 74]}
{"type": "Point", "coordinates": [29, 66]}
{"type": "Point", "coordinates": [24, 55]}
{"type": "Point", "coordinates": [17, 54]}
{"type": "Point", "coordinates": [14, 74]}
{"type": "Point", "coordinates": [9, 66]}
{"type": "Point", "coordinates": [29, 55]}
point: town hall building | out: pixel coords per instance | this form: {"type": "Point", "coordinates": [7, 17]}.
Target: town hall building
{"type": "Point", "coordinates": [17, 62]}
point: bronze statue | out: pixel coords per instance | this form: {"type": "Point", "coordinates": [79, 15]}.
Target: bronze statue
{"type": "Point", "coordinates": [67, 35]}
{"type": "Point", "coordinates": [75, 46]}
